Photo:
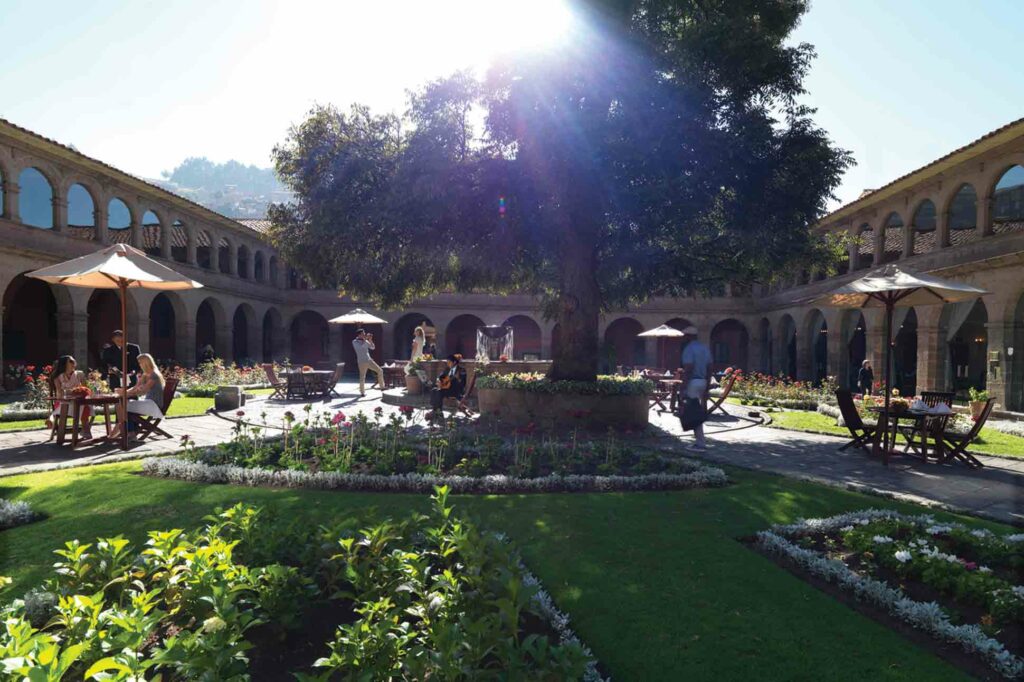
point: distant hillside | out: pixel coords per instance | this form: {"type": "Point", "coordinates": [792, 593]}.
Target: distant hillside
{"type": "Point", "coordinates": [232, 188]}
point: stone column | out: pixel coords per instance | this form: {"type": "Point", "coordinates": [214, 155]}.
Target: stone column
{"type": "Point", "coordinates": [11, 190]}
{"type": "Point", "coordinates": [255, 332]}
{"type": "Point", "coordinates": [931, 350]}
{"type": "Point", "coordinates": [854, 254]}
{"type": "Point", "coordinates": [190, 256]}
{"type": "Point", "coordinates": [225, 343]}
{"type": "Point", "coordinates": [838, 357]}
{"type": "Point", "coordinates": [73, 336]}
{"type": "Point", "coordinates": [984, 222]}
{"type": "Point", "coordinates": [186, 342]}
{"type": "Point", "coordinates": [142, 333]}
{"type": "Point", "coordinates": [60, 212]}
{"type": "Point", "coordinates": [941, 230]}
{"type": "Point", "coordinates": [874, 339]}
{"type": "Point", "coordinates": [1000, 336]}
{"type": "Point", "coordinates": [908, 241]}
{"type": "Point", "coordinates": [232, 259]}
{"type": "Point", "coordinates": [135, 231]}
{"type": "Point", "coordinates": [165, 240]}
{"type": "Point", "coordinates": [879, 245]}
{"type": "Point", "coordinates": [804, 357]}
{"type": "Point", "coordinates": [100, 218]}
{"type": "Point", "coordinates": [336, 342]}
{"type": "Point", "coordinates": [250, 266]}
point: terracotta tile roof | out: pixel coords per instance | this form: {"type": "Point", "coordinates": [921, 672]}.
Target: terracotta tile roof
{"type": "Point", "coordinates": [260, 225]}
{"type": "Point", "coordinates": [167, 194]}
{"type": "Point", "coordinates": [867, 195]}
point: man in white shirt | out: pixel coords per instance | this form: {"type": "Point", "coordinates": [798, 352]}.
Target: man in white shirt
{"type": "Point", "coordinates": [696, 362]}
{"type": "Point", "coordinates": [363, 344]}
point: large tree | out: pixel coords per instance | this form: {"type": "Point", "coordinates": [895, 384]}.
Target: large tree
{"type": "Point", "coordinates": [662, 151]}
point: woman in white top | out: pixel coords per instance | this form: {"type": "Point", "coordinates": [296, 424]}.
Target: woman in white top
{"type": "Point", "coordinates": [418, 340]}
{"type": "Point", "coordinates": [149, 391]}
{"type": "Point", "coordinates": [64, 379]}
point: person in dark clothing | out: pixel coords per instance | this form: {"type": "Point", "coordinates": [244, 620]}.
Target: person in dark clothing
{"type": "Point", "coordinates": [865, 378]}
{"type": "Point", "coordinates": [110, 360]}
{"type": "Point", "coordinates": [450, 384]}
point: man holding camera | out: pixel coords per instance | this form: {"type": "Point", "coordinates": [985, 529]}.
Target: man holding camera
{"type": "Point", "coordinates": [363, 344]}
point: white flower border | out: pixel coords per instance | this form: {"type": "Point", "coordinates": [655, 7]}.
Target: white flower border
{"type": "Point", "coordinates": [15, 514]}
{"type": "Point", "coordinates": [178, 468]}
{"type": "Point", "coordinates": [924, 616]}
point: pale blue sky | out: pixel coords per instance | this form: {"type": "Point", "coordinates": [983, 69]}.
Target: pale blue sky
{"type": "Point", "coordinates": [142, 85]}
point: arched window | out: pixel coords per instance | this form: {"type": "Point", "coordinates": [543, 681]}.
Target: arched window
{"type": "Point", "coordinates": [179, 242]}
{"type": "Point", "coordinates": [1008, 197]}
{"type": "Point", "coordinates": [35, 199]}
{"type": "Point", "coordinates": [81, 212]}
{"type": "Point", "coordinates": [151, 235]}
{"type": "Point", "coordinates": [865, 247]}
{"type": "Point", "coordinates": [892, 244]}
{"type": "Point", "coordinates": [924, 216]}
{"type": "Point", "coordinates": [963, 209]}
{"type": "Point", "coordinates": [119, 219]}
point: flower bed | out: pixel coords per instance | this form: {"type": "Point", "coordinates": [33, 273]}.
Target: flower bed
{"type": "Point", "coordinates": [253, 597]}
{"type": "Point", "coordinates": [398, 455]}
{"type": "Point", "coordinates": [15, 514]}
{"type": "Point", "coordinates": [958, 584]}
{"type": "Point", "coordinates": [203, 381]}
{"type": "Point", "coordinates": [538, 383]}
{"type": "Point", "coordinates": [764, 390]}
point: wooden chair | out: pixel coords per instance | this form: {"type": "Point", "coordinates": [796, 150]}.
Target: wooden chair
{"type": "Point", "coordinates": [958, 444]}
{"type": "Point", "coordinates": [726, 390]}
{"type": "Point", "coordinates": [935, 426]}
{"type": "Point", "coordinates": [295, 386]}
{"type": "Point", "coordinates": [150, 426]}
{"type": "Point", "coordinates": [280, 387]}
{"type": "Point", "coordinates": [332, 387]}
{"type": "Point", "coordinates": [393, 376]}
{"type": "Point", "coordinates": [862, 434]}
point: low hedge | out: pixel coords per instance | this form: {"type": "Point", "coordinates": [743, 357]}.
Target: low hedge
{"type": "Point", "coordinates": [539, 383]}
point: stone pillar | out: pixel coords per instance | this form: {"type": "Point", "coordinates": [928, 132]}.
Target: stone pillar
{"type": "Point", "coordinates": [186, 345]}
{"type": "Point", "coordinates": [142, 332]}
{"type": "Point", "coordinates": [984, 216]}
{"type": "Point", "coordinates": [11, 190]}
{"type": "Point", "coordinates": [879, 245]}
{"type": "Point", "coordinates": [165, 240]}
{"type": "Point", "coordinates": [1000, 336]}
{"type": "Point", "coordinates": [931, 357]}
{"type": "Point", "coordinates": [804, 357]}
{"type": "Point", "coordinates": [232, 259]}
{"type": "Point", "coordinates": [225, 343]}
{"type": "Point", "coordinates": [941, 230]}
{"type": "Point", "coordinates": [190, 256]}
{"type": "Point", "coordinates": [755, 346]}
{"type": "Point", "coordinates": [908, 241]}
{"type": "Point", "coordinates": [135, 231]}
{"type": "Point", "coordinates": [854, 253]}
{"type": "Point", "coordinates": [838, 357]}
{"type": "Point", "coordinates": [336, 342]}
{"type": "Point", "coordinates": [874, 340]}
{"type": "Point", "coordinates": [100, 218]}
{"type": "Point", "coordinates": [73, 336]}
{"type": "Point", "coordinates": [250, 266]}
{"type": "Point", "coordinates": [60, 212]}
{"type": "Point", "coordinates": [255, 331]}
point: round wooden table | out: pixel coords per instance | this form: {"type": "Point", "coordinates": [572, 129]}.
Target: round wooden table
{"type": "Point", "coordinates": [74, 405]}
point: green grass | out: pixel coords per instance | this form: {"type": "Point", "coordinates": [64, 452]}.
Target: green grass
{"type": "Point", "coordinates": [990, 441]}
{"type": "Point", "coordinates": [181, 407]}
{"type": "Point", "coordinates": [656, 583]}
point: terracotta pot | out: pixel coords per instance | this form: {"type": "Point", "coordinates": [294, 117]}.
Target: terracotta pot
{"type": "Point", "coordinates": [977, 407]}
{"type": "Point", "coordinates": [413, 385]}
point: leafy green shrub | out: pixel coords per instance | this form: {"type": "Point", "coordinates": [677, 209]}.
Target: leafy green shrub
{"type": "Point", "coordinates": [538, 383]}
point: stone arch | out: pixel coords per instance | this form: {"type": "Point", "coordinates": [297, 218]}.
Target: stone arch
{"type": "Point", "coordinates": [242, 345]}
{"type": "Point", "coordinates": [179, 241]}
{"type": "Point", "coordinates": [119, 219]}
{"type": "Point", "coordinates": [891, 236]}
{"type": "Point", "coordinates": [205, 250]}
{"type": "Point", "coordinates": [35, 198]}
{"type": "Point", "coordinates": [962, 208]}
{"type": "Point", "coordinates": [924, 220]}
{"type": "Point", "coordinates": [815, 331]}
{"type": "Point", "coordinates": [104, 311]}
{"type": "Point", "coordinates": [904, 353]}
{"type": "Point", "coordinates": [223, 256]}
{"type": "Point", "coordinates": [966, 363]}
{"type": "Point", "coordinates": [259, 268]}
{"type": "Point", "coordinates": [30, 331]}
{"type": "Point", "coordinates": [273, 336]}
{"type": "Point", "coordinates": [730, 345]}
{"type": "Point", "coordinates": [460, 335]}
{"type": "Point", "coordinates": [152, 233]}
{"type": "Point", "coordinates": [166, 311]}
{"type": "Point", "coordinates": [81, 211]}
{"type": "Point", "coordinates": [310, 338]}
{"type": "Point", "coordinates": [865, 247]}
{"type": "Point", "coordinates": [670, 350]}
{"type": "Point", "coordinates": [403, 330]}
{"type": "Point", "coordinates": [623, 344]}
{"type": "Point", "coordinates": [526, 336]}
{"type": "Point", "coordinates": [210, 318]}
{"type": "Point", "coordinates": [786, 345]}
{"type": "Point", "coordinates": [1008, 196]}
{"type": "Point", "coordinates": [242, 261]}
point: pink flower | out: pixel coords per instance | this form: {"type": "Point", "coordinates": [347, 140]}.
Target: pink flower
{"type": "Point", "coordinates": [321, 441]}
{"type": "Point", "coordinates": [337, 418]}
{"type": "Point", "coordinates": [970, 566]}
{"type": "Point", "coordinates": [240, 413]}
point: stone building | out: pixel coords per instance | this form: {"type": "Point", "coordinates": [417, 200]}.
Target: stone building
{"type": "Point", "coordinates": [961, 216]}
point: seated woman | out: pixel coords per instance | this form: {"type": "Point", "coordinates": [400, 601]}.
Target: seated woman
{"type": "Point", "coordinates": [450, 383]}
{"type": "Point", "coordinates": [151, 389]}
{"type": "Point", "coordinates": [63, 380]}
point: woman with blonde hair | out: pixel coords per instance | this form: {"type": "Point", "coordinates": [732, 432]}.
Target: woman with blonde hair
{"type": "Point", "coordinates": [419, 339]}
{"type": "Point", "coordinates": [149, 393]}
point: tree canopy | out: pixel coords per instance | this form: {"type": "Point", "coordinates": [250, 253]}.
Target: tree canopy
{"type": "Point", "coordinates": [662, 151]}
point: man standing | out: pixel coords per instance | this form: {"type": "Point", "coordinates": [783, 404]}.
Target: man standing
{"type": "Point", "coordinates": [363, 344]}
{"type": "Point", "coordinates": [110, 360]}
{"type": "Point", "coordinates": [696, 362]}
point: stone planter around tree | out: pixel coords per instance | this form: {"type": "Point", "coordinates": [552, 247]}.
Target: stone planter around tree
{"type": "Point", "coordinates": [520, 407]}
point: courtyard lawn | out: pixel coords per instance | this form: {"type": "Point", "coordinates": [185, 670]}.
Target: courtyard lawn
{"type": "Point", "coordinates": [991, 442]}
{"type": "Point", "coordinates": [181, 407]}
{"type": "Point", "coordinates": [656, 583]}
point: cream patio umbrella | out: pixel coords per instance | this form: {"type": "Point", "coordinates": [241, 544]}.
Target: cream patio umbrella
{"type": "Point", "coordinates": [888, 287]}
{"type": "Point", "coordinates": [357, 316]}
{"type": "Point", "coordinates": [120, 267]}
{"type": "Point", "coordinates": [664, 331]}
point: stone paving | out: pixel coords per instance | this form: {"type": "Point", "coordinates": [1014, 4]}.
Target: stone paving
{"type": "Point", "coordinates": [997, 491]}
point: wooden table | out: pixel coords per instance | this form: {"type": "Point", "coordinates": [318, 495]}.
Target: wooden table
{"type": "Point", "coordinates": [885, 433]}
{"type": "Point", "coordinates": [75, 405]}
{"type": "Point", "coordinates": [671, 386]}
{"type": "Point", "coordinates": [316, 383]}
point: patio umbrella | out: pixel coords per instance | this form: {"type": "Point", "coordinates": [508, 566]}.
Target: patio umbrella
{"type": "Point", "coordinates": [889, 287]}
{"type": "Point", "coordinates": [120, 267]}
{"type": "Point", "coordinates": [664, 331]}
{"type": "Point", "coordinates": [357, 316]}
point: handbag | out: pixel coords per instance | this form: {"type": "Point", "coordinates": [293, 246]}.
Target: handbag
{"type": "Point", "coordinates": [694, 413]}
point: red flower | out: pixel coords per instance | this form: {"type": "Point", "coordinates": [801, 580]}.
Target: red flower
{"type": "Point", "coordinates": [321, 441]}
{"type": "Point", "coordinates": [28, 379]}
{"type": "Point", "coordinates": [337, 418]}
{"type": "Point", "coordinates": [240, 413]}
{"type": "Point", "coordinates": [30, 368]}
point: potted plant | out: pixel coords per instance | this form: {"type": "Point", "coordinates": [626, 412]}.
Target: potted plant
{"type": "Point", "coordinates": [415, 375]}
{"type": "Point", "coordinates": [978, 400]}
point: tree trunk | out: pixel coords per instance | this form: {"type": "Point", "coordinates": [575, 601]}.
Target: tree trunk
{"type": "Point", "coordinates": [578, 313]}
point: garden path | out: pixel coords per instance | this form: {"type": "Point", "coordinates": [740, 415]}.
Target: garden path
{"type": "Point", "coordinates": [997, 491]}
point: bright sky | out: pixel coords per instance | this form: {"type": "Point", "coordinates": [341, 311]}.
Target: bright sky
{"type": "Point", "coordinates": [141, 85]}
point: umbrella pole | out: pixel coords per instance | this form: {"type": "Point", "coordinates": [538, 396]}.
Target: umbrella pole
{"type": "Point", "coordinates": [889, 304]}
{"type": "Point", "coordinates": [123, 286]}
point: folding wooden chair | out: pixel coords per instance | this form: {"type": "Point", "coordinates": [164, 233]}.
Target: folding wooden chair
{"type": "Point", "coordinates": [280, 387]}
{"type": "Point", "coordinates": [862, 434]}
{"type": "Point", "coordinates": [726, 390]}
{"type": "Point", "coordinates": [295, 386]}
{"type": "Point", "coordinates": [958, 444]}
{"type": "Point", "coordinates": [928, 425]}
{"type": "Point", "coordinates": [332, 388]}
{"type": "Point", "coordinates": [150, 426]}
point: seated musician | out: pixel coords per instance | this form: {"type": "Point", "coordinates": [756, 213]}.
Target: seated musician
{"type": "Point", "coordinates": [450, 384]}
